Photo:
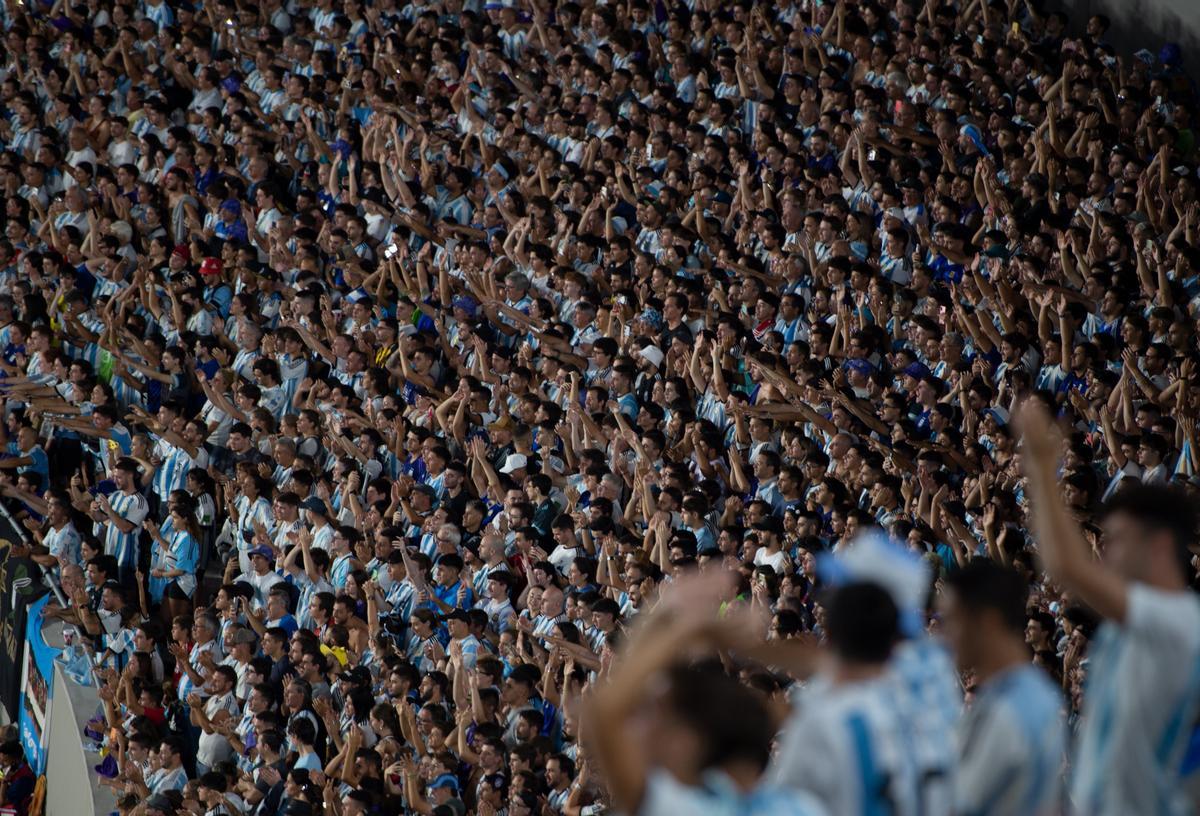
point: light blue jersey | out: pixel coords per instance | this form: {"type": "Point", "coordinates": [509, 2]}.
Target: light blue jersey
{"type": "Point", "coordinates": [184, 554]}
{"type": "Point", "coordinates": [930, 703]}
{"type": "Point", "coordinates": [1141, 701]}
{"type": "Point", "coordinates": [340, 570]}
{"type": "Point", "coordinates": [717, 796]}
{"type": "Point", "coordinates": [849, 747]}
{"type": "Point", "coordinates": [63, 542]}
{"type": "Point", "coordinates": [1011, 746]}
{"type": "Point", "coordinates": [174, 464]}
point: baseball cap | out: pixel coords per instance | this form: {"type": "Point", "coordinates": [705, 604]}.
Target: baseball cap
{"type": "Point", "coordinates": [456, 614]}
{"type": "Point", "coordinates": [652, 317]}
{"type": "Point", "coordinates": [467, 303]}
{"type": "Point", "coordinates": [265, 552]}
{"type": "Point", "coordinates": [245, 636]}
{"type": "Point", "coordinates": [358, 675]}
{"type": "Point", "coordinates": [770, 524]}
{"type": "Point", "coordinates": [211, 266]}
{"type": "Point", "coordinates": [182, 251]}
{"type": "Point", "coordinates": [998, 414]}
{"type": "Point", "coordinates": [915, 370]}
{"type": "Point", "coordinates": [445, 781]}
{"type": "Point", "coordinates": [653, 355]}
{"type": "Point", "coordinates": [504, 423]}
{"type": "Point", "coordinates": [861, 366]}
{"type": "Point", "coordinates": [374, 195]}
{"type": "Point", "coordinates": [514, 462]}
{"type": "Point", "coordinates": [315, 505]}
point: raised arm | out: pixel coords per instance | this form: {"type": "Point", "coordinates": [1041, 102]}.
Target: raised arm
{"type": "Point", "coordinates": [1065, 553]}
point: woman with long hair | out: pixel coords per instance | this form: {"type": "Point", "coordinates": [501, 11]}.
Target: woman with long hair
{"type": "Point", "coordinates": [201, 489]}
{"type": "Point", "coordinates": [177, 551]}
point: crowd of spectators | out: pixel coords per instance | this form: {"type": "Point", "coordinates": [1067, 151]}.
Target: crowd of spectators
{"type": "Point", "coordinates": [396, 389]}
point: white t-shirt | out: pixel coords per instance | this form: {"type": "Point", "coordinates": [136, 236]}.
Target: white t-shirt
{"type": "Point", "coordinates": [214, 748]}
{"type": "Point", "coordinates": [74, 157]}
{"type": "Point", "coordinates": [562, 557]}
{"type": "Point", "coordinates": [777, 561]}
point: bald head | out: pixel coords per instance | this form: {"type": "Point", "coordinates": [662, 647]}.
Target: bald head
{"type": "Point", "coordinates": [552, 601]}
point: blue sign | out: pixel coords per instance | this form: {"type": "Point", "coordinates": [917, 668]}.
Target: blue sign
{"type": "Point", "coordinates": [37, 683]}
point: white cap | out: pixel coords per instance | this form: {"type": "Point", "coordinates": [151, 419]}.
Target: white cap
{"type": "Point", "coordinates": [515, 461]}
{"type": "Point", "coordinates": [652, 355]}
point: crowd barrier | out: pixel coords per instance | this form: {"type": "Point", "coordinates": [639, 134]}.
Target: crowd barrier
{"type": "Point", "coordinates": [49, 708]}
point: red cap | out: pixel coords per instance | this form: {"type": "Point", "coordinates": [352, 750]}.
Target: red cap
{"type": "Point", "coordinates": [182, 251]}
{"type": "Point", "coordinates": [211, 266]}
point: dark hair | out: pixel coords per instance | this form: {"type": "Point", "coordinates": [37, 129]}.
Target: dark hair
{"type": "Point", "coordinates": [303, 730]}
{"type": "Point", "coordinates": [863, 622]}
{"type": "Point", "coordinates": [730, 719]}
{"type": "Point", "coordinates": [1162, 509]}
{"type": "Point", "coordinates": [982, 585]}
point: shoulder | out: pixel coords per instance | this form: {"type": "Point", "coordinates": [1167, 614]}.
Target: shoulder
{"type": "Point", "coordinates": [1170, 617]}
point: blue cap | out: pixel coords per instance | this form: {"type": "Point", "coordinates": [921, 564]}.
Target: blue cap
{"type": "Point", "coordinates": [445, 781]}
{"type": "Point", "coordinates": [467, 303]}
{"type": "Point", "coordinates": [861, 366]}
{"type": "Point", "coordinates": [653, 317]}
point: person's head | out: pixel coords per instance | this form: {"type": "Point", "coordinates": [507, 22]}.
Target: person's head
{"type": "Point", "coordinates": [11, 754]}
{"type": "Point", "coordinates": [1147, 532]}
{"type": "Point", "coordinates": [1039, 628]}
{"type": "Point", "coordinates": [170, 752]}
{"type": "Point", "coordinates": [983, 613]}
{"type": "Point", "coordinates": [302, 731]}
{"type": "Point", "coordinates": [520, 684]}
{"type": "Point", "coordinates": [125, 474]}
{"type": "Point", "coordinates": [707, 720]}
{"type": "Point", "coordinates": [223, 680]}
{"type": "Point", "coordinates": [560, 770]}
{"type": "Point", "coordinates": [862, 623]}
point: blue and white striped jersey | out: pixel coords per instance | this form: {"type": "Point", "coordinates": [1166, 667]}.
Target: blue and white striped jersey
{"type": "Point", "coordinates": [1011, 747]}
{"type": "Point", "coordinates": [172, 471]}
{"type": "Point", "coordinates": [124, 546]}
{"type": "Point", "coordinates": [866, 760]}
{"type": "Point", "coordinates": [1140, 704]}
{"type": "Point", "coordinates": [930, 703]}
